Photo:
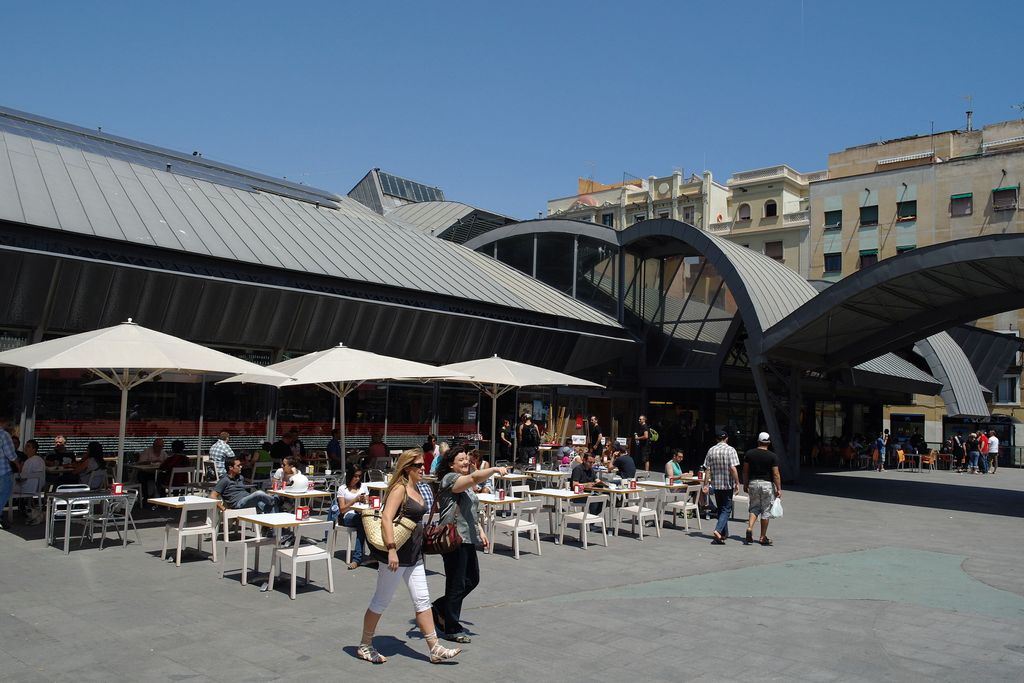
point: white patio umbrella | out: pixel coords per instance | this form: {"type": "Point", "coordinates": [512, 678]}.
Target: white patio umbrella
{"type": "Point", "coordinates": [126, 355]}
{"type": "Point", "coordinates": [340, 370]}
{"type": "Point", "coordinates": [496, 376]}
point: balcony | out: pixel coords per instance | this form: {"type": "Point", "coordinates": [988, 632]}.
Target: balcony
{"type": "Point", "coordinates": [796, 217]}
{"type": "Point", "coordinates": [720, 228]}
{"type": "Point", "coordinates": [772, 172]}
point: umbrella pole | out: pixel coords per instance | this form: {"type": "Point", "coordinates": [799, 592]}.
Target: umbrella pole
{"type": "Point", "coordinates": [341, 421]}
{"type": "Point", "coordinates": [494, 427]}
{"type": "Point", "coordinates": [202, 409]}
{"type": "Point", "coordinates": [120, 435]}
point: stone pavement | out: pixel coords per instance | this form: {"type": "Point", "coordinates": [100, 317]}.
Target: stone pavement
{"type": "Point", "coordinates": [893, 576]}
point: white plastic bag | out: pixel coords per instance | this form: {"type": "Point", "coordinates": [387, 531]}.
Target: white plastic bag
{"type": "Point", "coordinates": [775, 511]}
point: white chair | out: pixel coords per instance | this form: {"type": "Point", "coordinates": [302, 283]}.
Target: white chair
{"type": "Point", "coordinates": [685, 506]}
{"type": "Point", "coordinates": [301, 553]}
{"type": "Point", "coordinates": [30, 489]}
{"type": "Point", "coordinates": [114, 513]}
{"type": "Point", "coordinates": [646, 507]}
{"type": "Point", "coordinates": [585, 517]}
{"type": "Point", "coordinates": [653, 476]}
{"type": "Point", "coordinates": [243, 541]}
{"type": "Point", "coordinates": [184, 476]}
{"type": "Point", "coordinates": [523, 519]}
{"type": "Point", "coordinates": [350, 532]}
{"type": "Point", "coordinates": [78, 510]}
{"type": "Point", "coordinates": [184, 528]}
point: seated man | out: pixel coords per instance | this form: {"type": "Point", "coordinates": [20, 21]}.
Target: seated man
{"type": "Point", "coordinates": [230, 489]}
{"type": "Point", "coordinates": [31, 479]}
{"type": "Point", "coordinates": [586, 475]}
{"type": "Point", "coordinates": [176, 460]}
{"type": "Point", "coordinates": [623, 463]}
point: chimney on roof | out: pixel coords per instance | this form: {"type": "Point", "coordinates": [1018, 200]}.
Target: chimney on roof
{"type": "Point", "coordinates": [970, 120]}
{"type": "Point", "coordinates": [168, 168]}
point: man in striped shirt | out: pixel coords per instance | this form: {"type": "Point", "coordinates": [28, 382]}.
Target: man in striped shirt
{"type": "Point", "coordinates": [721, 462]}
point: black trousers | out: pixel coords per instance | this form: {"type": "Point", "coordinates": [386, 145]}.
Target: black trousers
{"type": "Point", "coordinates": [461, 576]}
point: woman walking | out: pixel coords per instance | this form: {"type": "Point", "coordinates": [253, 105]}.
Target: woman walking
{"type": "Point", "coordinates": [458, 502]}
{"type": "Point", "coordinates": [402, 565]}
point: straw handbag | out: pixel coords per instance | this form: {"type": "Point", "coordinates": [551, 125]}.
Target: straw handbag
{"type": "Point", "coordinates": [371, 525]}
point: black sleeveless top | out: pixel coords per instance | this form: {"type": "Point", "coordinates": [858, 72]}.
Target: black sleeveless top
{"type": "Point", "coordinates": [411, 551]}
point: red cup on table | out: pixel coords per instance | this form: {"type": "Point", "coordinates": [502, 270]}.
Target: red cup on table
{"type": "Point", "coordinates": [577, 488]}
{"type": "Point", "coordinates": [632, 484]}
{"type": "Point", "coordinates": [375, 502]}
{"type": "Point", "coordinates": [117, 488]}
{"type": "Point", "coordinates": [501, 494]}
{"type": "Point", "coordinates": [309, 485]}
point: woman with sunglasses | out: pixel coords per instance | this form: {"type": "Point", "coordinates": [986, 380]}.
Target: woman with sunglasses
{"type": "Point", "coordinates": [402, 565]}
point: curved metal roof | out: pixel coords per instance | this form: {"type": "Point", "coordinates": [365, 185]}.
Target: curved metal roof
{"type": "Point", "coordinates": [84, 185]}
{"type": "Point", "coordinates": [430, 217]}
{"type": "Point", "coordinates": [765, 290]}
{"type": "Point", "coordinates": [902, 299]}
{"type": "Point", "coordinates": [961, 391]}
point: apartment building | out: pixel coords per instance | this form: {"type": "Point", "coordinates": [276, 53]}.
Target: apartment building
{"type": "Point", "coordinates": [695, 200]}
{"type": "Point", "coordinates": [882, 199]}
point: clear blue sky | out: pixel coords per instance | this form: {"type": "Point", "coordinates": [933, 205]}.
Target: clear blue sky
{"type": "Point", "coordinates": [504, 106]}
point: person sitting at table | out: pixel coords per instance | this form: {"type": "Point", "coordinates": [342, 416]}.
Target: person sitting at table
{"type": "Point", "coordinates": [674, 468]}
{"type": "Point", "coordinates": [290, 474]}
{"type": "Point", "coordinates": [352, 492]}
{"type": "Point", "coordinates": [585, 475]}
{"type": "Point", "coordinates": [60, 455]}
{"type": "Point", "coordinates": [154, 454]}
{"type": "Point", "coordinates": [177, 459]}
{"type": "Point", "coordinates": [475, 463]}
{"type": "Point", "coordinates": [261, 462]}
{"type": "Point", "coordinates": [566, 452]}
{"type": "Point", "coordinates": [282, 448]}
{"type": "Point", "coordinates": [623, 462]}
{"type": "Point", "coordinates": [31, 479]}
{"type": "Point", "coordinates": [333, 449]}
{"type": "Point", "coordinates": [378, 452]}
{"type": "Point", "coordinates": [231, 491]}
{"type": "Point", "coordinates": [91, 470]}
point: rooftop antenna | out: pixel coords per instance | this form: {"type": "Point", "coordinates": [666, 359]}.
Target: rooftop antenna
{"type": "Point", "coordinates": [970, 112]}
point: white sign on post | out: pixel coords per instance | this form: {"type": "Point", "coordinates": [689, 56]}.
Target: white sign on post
{"type": "Point", "coordinates": [621, 441]}
{"type": "Point", "coordinates": [579, 440]}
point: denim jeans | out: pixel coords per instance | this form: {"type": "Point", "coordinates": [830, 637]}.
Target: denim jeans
{"type": "Point", "coordinates": [983, 463]}
{"type": "Point", "coordinates": [355, 520]}
{"type": "Point", "coordinates": [723, 499]}
{"type": "Point", "coordinates": [973, 458]}
{"type": "Point", "coordinates": [263, 502]}
{"type": "Point", "coordinates": [6, 487]}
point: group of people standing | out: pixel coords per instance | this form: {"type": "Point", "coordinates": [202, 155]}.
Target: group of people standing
{"type": "Point", "coordinates": [977, 453]}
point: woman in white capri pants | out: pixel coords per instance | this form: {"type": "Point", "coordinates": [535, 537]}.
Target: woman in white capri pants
{"type": "Point", "coordinates": [402, 565]}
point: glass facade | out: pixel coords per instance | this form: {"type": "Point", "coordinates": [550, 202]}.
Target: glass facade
{"type": "Point", "coordinates": [554, 261]}
{"type": "Point", "coordinates": [517, 252]}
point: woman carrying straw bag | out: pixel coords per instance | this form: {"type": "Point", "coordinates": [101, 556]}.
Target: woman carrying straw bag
{"type": "Point", "coordinates": [402, 564]}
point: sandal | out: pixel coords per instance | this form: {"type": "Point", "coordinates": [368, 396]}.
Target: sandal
{"type": "Point", "coordinates": [353, 565]}
{"type": "Point", "coordinates": [439, 653]}
{"type": "Point", "coordinates": [460, 637]}
{"type": "Point", "coordinates": [765, 541]}
{"type": "Point", "coordinates": [749, 538]}
{"type": "Point", "coordinates": [369, 654]}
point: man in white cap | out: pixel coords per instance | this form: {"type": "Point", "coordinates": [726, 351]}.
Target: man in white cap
{"type": "Point", "coordinates": [760, 472]}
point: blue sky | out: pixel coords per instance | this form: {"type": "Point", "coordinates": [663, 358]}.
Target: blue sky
{"type": "Point", "coordinates": [504, 106]}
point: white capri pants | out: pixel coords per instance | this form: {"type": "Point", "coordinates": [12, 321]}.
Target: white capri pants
{"type": "Point", "coordinates": [415, 579]}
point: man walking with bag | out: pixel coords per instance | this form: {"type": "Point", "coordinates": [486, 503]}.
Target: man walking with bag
{"type": "Point", "coordinates": [760, 472]}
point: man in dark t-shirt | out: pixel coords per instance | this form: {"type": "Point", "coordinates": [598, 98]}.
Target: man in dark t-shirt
{"type": "Point", "coordinates": [625, 464]}
{"type": "Point", "coordinates": [760, 474]}
{"type": "Point", "coordinates": [585, 474]}
{"type": "Point", "coordinates": [642, 443]}
{"type": "Point", "coordinates": [230, 489]}
{"type": "Point", "coordinates": [594, 435]}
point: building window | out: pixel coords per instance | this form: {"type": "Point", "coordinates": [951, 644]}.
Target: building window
{"type": "Point", "coordinates": [868, 257]}
{"type": "Point", "coordinates": [639, 217]}
{"type": "Point", "coordinates": [743, 214]}
{"type": "Point", "coordinates": [663, 214]}
{"type": "Point", "coordinates": [834, 263]}
{"type": "Point", "coordinates": [771, 209]}
{"type": "Point", "coordinates": [774, 250]}
{"type": "Point", "coordinates": [834, 219]}
{"type": "Point", "coordinates": [688, 214]}
{"type": "Point", "coordinates": [1005, 198]}
{"type": "Point", "coordinates": [608, 219]}
{"type": "Point", "coordinates": [1008, 390]}
{"type": "Point", "coordinates": [869, 215]}
{"type": "Point", "coordinates": [961, 204]}
{"type": "Point", "coordinates": [906, 211]}
{"type": "Point", "coordinates": [905, 247]}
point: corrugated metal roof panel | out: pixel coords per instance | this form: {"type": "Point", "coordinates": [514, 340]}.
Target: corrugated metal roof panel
{"type": "Point", "coordinates": [117, 198]}
{"type": "Point", "coordinates": [431, 217]}
{"type": "Point", "coordinates": [961, 391]}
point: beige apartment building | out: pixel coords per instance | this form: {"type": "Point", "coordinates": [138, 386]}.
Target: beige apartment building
{"type": "Point", "coordinates": [691, 200]}
{"type": "Point", "coordinates": [882, 199]}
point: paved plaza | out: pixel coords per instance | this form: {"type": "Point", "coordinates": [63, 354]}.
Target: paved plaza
{"type": "Point", "coordinates": [894, 576]}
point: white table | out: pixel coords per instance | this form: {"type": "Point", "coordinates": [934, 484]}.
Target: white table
{"type": "Point", "coordinates": [187, 504]}
{"type": "Point", "coordinates": [560, 497]}
{"type": "Point", "coordinates": [299, 495]}
{"type": "Point", "coordinates": [491, 502]}
{"type": "Point", "coordinates": [547, 476]}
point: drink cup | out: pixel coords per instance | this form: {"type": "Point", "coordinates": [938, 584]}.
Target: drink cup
{"type": "Point", "coordinates": [309, 484]}
{"type": "Point", "coordinates": [632, 484]}
{"type": "Point", "coordinates": [501, 494]}
{"type": "Point", "coordinates": [375, 502]}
